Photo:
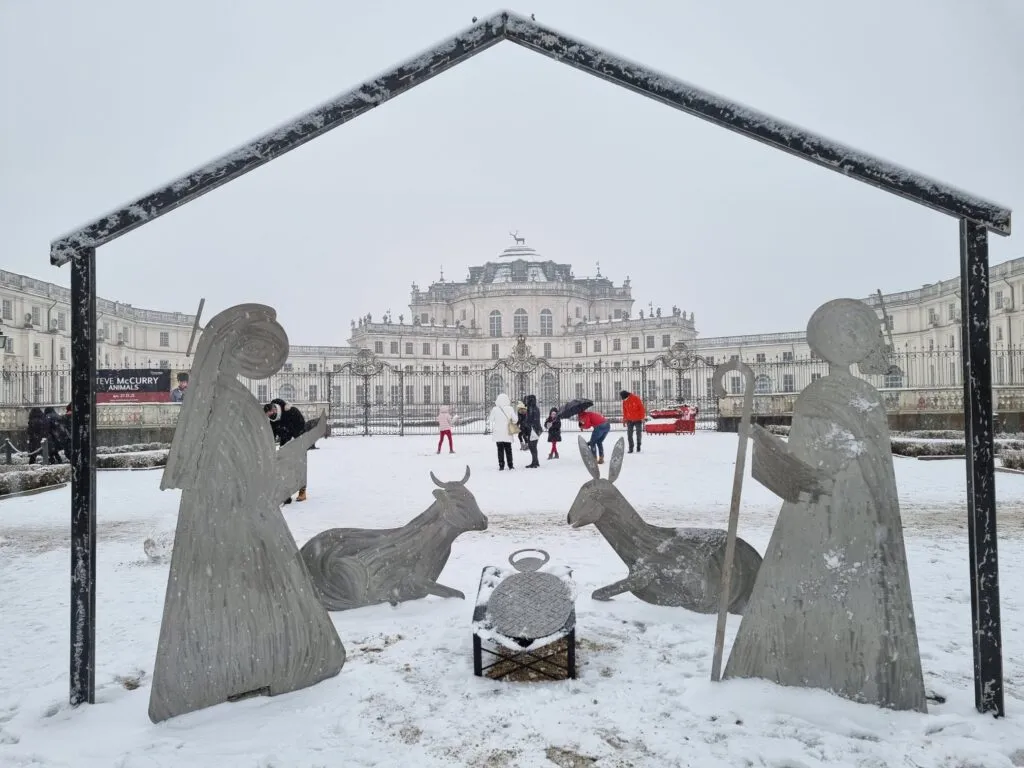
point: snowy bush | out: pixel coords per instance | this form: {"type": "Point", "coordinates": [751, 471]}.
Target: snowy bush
{"type": "Point", "coordinates": [1012, 459]}
{"type": "Point", "coordinates": [928, 447]}
{"type": "Point", "coordinates": [108, 449]}
{"type": "Point", "coordinates": [779, 429]}
{"type": "Point", "coordinates": [137, 460]}
{"type": "Point", "coordinates": [26, 478]}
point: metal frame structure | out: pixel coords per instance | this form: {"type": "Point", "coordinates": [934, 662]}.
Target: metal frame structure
{"type": "Point", "coordinates": [977, 217]}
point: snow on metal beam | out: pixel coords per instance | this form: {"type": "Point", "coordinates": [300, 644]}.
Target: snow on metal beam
{"type": "Point", "coordinates": [329, 115]}
{"type": "Point", "coordinates": [757, 125]}
{"type": "Point", "coordinates": [583, 56]}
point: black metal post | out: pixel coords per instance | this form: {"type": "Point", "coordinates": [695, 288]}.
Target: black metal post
{"type": "Point", "coordinates": [83, 477]}
{"type": "Point", "coordinates": [981, 492]}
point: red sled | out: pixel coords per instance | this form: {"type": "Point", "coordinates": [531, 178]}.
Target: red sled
{"type": "Point", "coordinates": [681, 420]}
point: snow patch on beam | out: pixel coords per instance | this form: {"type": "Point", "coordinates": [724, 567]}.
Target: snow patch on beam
{"type": "Point", "coordinates": [757, 125]}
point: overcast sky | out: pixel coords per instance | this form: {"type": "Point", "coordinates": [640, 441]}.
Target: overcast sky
{"type": "Point", "coordinates": [101, 102]}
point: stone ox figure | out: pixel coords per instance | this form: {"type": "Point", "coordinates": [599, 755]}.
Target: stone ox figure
{"type": "Point", "coordinates": [667, 566]}
{"type": "Point", "coordinates": [353, 567]}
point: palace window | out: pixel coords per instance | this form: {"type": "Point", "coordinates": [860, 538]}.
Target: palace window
{"type": "Point", "coordinates": [788, 382]}
{"type": "Point", "coordinates": [426, 348]}
{"type": "Point", "coordinates": [8, 312]}
{"type": "Point", "coordinates": [62, 324]}
{"type": "Point", "coordinates": [312, 367]}
{"type": "Point", "coordinates": [616, 345]}
{"type": "Point", "coordinates": [578, 347]}
{"type": "Point", "coordinates": [521, 322]}
{"type": "Point", "coordinates": [650, 342]}
{"type": "Point", "coordinates": [759, 357]}
{"type": "Point", "coordinates": [998, 301]}
{"type": "Point", "coordinates": [378, 347]}
{"type": "Point", "coordinates": [424, 318]}
{"type": "Point", "coordinates": [495, 324]}
{"type": "Point", "coordinates": [408, 348]}
{"type": "Point", "coordinates": [494, 352]}
{"type": "Point", "coordinates": [36, 350]}
{"type": "Point", "coordinates": [787, 357]}
{"type": "Point", "coordinates": [547, 324]}
{"type": "Point", "coordinates": [394, 347]}
{"type": "Point", "coordinates": [165, 339]}
{"type": "Point", "coordinates": [465, 350]}
{"type": "Point", "coordinates": [446, 349]}
{"type": "Point", "coordinates": [37, 313]}
{"type": "Point", "coordinates": [634, 343]}
{"type": "Point", "coordinates": [547, 349]}
{"type": "Point", "coordinates": [666, 340]}
{"type": "Point", "coordinates": [597, 345]}
{"type": "Point", "coordinates": [951, 311]}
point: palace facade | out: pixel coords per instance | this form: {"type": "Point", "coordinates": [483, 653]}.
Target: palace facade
{"type": "Point", "coordinates": [584, 324]}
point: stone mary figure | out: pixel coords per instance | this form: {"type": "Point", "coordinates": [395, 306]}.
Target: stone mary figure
{"type": "Point", "coordinates": [831, 607]}
{"type": "Point", "coordinates": [240, 614]}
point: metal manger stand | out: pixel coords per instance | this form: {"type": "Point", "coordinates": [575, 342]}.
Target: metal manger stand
{"type": "Point", "coordinates": [521, 653]}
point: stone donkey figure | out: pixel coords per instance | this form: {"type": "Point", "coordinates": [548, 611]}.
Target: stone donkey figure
{"type": "Point", "coordinates": [667, 566]}
{"type": "Point", "coordinates": [353, 567]}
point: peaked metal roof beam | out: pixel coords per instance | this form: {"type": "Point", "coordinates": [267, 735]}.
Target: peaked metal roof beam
{"type": "Point", "coordinates": [560, 47]}
{"type": "Point", "coordinates": [306, 127]}
{"type": "Point", "coordinates": [757, 125]}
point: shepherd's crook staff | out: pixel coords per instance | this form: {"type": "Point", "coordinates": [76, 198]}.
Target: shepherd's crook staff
{"type": "Point", "coordinates": [734, 510]}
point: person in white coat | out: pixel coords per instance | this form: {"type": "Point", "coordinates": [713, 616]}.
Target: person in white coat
{"type": "Point", "coordinates": [504, 426]}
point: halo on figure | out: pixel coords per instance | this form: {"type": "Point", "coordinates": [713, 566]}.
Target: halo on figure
{"type": "Point", "coordinates": [844, 331]}
{"type": "Point", "coordinates": [258, 345]}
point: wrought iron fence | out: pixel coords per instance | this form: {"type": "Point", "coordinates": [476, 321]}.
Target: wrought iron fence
{"type": "Point", "coordinates": [372, 396]}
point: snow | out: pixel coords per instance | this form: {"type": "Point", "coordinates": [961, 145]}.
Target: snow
{"type": "Point", "coordinates": [407, 695]}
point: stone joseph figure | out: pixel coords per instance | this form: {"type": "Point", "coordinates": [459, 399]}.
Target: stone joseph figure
{"type": "Point", "coordinates": [831, 607]}
{"type": "Point", "coordinates": [240, 613]}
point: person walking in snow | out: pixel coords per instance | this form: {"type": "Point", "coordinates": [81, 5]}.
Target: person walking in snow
{"type": "Point", "coordinates": [553, 425]}
{"type": "Point", "coordinates": [633, 415]}
{"type": "Point", "coordinates": [287, 423]}
{"type": "Point", "coordinates": [533, 429]}
{"type": "Point", "coordinates": [597, 422]}
{"type": "Point", "coordinates": [445, 421]}
{"type": "Point", "coordinates": [504, 425]}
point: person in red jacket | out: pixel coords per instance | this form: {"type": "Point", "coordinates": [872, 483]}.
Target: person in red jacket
{"type": "Point", "coordinates": [601, 427]}
{"type": "Point", "coordinates": [633, 415]}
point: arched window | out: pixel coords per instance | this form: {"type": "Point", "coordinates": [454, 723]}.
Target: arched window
{"type": "Point", "coordinates": [286, 392]}
{"type": "Point", "coordinates": [549, 391]}
{"type": "Point", "coordinates": [547, 324]}
{"type": "Point", "coordinates": [893, 379]}
{"type": "Point", "coordinates": [762, 385]}
{"type": "Point", "coordinates": [495, 323]}
{"type": "Point", "coordinates": [520, 322]}
{"type": "Point", "coordinates": [495, 386]}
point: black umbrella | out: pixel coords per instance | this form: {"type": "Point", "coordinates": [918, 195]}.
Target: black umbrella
{"type": "Point", "coordinates": [574, 408]}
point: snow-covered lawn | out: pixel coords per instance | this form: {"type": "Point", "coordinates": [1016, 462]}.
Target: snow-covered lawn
{"type": "Point", "coordinates": [407, 695]}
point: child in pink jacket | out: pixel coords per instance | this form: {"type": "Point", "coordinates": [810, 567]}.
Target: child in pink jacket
{"type": "Point", "coordinates": [445, 420]}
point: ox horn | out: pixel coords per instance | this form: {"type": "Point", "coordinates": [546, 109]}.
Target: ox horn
{"type": "Point", "coordinates": [437, 482]}
{"type": "Point", "coordinates": [465, 480]}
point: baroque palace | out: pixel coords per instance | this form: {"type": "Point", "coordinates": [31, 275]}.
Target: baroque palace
{"type": "Point", "coordinates": [464, 340]}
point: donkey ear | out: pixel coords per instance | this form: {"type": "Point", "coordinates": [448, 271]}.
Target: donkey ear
{"type": "Point", "coordinates": [588, 459]}
{"type": "Point", "coordinates": [616, 465]}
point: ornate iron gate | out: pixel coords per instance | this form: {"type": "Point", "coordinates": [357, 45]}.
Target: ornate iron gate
{"type": "Point", "coordinates": [372, 397]}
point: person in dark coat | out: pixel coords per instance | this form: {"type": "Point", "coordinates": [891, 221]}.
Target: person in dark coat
{"type": "Point", "coordinates": [35, 433]}
{"type": "Point", "coordinates": [553, 425]}
{"type": "Point", "coordinates": [58, 437]}
{"type": "Point", "coordinates": [533, 429]}
{"type": "Point", "coordinates": [287, 422]}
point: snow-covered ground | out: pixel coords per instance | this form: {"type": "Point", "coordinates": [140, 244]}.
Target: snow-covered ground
{"type": "Point", "coordinates": [407, 695]}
